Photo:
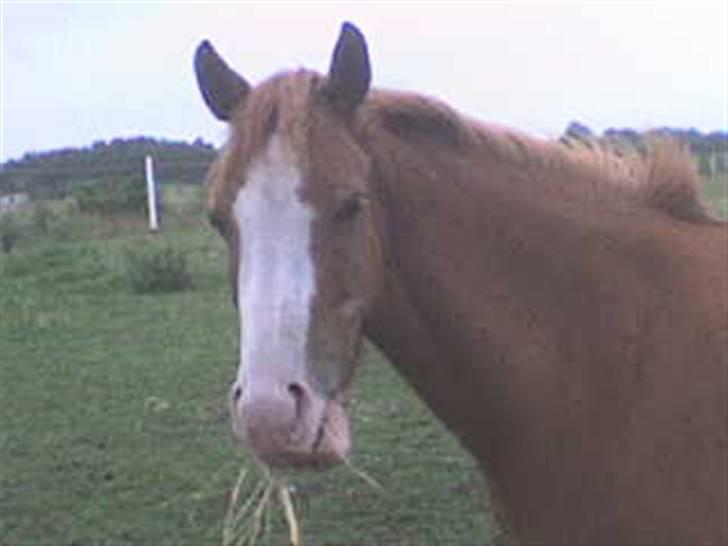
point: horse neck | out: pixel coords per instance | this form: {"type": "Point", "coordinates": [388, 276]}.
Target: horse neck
{"type": "Point", "coordinates": [487, 272]}
{"type": "Point", "coordinates": [549, 330]}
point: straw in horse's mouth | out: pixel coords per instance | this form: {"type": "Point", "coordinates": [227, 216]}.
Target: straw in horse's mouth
{"type": "Point", "coordinates": [248, 518]}
{"type": "Point", "coordinates": [247, 523]}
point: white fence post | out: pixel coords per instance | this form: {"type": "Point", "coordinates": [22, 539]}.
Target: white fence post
{"type": "Point", "coordinates": [151, 194]}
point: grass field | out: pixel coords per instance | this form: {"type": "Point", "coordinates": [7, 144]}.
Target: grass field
{"type": "Point", "coordinates": [114, 415]}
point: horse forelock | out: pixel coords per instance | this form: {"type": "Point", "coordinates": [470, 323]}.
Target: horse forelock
{"type": "Point", "coordinates": [279, 106]}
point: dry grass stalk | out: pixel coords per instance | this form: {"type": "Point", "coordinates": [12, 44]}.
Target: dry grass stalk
{"type": "Point", "coordinates": [248, 520]}
{"type": "Point", "coordinates": [294, 532]}
{"type": "Point", "coordinates": [359, 473]}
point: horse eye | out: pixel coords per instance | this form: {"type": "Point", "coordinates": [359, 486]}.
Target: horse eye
{"type": "Point", "coordinates": [349, 208]}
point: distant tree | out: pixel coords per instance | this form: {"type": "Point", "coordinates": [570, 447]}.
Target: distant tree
{"type": "Point", "coordinates": [579, 132]}
{"type": "Point", "coordinates": [56, 173]}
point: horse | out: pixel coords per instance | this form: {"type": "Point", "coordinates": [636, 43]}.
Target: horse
{"type": "Point", "coordinates": [560, 306]}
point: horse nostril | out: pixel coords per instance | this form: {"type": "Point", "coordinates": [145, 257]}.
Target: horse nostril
{"type": "Point", "coordinates": [237, 393]}
{"type": "Point", "coordinates": [298, 393]}
{"type": "Point", "coordinates": [295, 390]}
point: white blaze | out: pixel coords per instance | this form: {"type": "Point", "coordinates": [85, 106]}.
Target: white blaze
{"type": "Point", "coordinates": [276, 280]}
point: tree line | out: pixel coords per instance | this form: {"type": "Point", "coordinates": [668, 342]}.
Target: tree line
{"type": "Point", "coordinates": [59, 173]}
{"type": "Point", "coordinates": [120, 161]}
{"type": "Point", "coordinates": [709, 149]}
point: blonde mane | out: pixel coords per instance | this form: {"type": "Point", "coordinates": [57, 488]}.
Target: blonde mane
{"type": "Point", "coordinates": [662, 175]}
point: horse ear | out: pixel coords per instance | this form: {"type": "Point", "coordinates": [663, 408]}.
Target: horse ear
{"type": "Point", "coordinates": [221, 87]}
{"type": "Point", "coordinates": [350, 73]}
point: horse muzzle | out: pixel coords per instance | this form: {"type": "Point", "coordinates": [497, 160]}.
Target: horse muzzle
{"type": "Point", "coordinates": [290, 425]}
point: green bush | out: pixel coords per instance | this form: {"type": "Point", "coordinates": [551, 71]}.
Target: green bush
{"type": "Point", "coordinates": [152, 269]}
{"type": "Point", "coordinates": [127, 195]}
{"type": "Point", "coordinates": [10, 231]}
{"type": "Point", "coordinates": [43, 217]}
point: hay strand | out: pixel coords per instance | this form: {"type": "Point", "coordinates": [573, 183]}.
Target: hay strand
{"type": "Point", "coordinates": [248, 518]}
{"type": "Point", "coordinates": [366, 478]}
{"type": "Point", "coordinates": [294, 532]}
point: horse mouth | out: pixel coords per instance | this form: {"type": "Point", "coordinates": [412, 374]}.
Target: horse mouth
{"type": "Point", "coordinates": [317, 443]}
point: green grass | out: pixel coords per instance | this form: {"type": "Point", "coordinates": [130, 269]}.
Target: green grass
{"type": "Point", "coordinates": [114, 417]}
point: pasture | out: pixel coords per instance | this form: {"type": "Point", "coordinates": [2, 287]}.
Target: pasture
{"type": "Point", "coordinates": [113, 410]}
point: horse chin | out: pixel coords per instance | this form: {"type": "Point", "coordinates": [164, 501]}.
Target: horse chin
{"type": "Point", "coordinates": [333, 442]}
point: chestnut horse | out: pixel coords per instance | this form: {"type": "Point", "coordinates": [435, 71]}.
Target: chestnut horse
{"type": "Point", "coordinates": [562, 309]}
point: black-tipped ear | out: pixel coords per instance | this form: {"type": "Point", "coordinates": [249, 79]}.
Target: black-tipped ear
{"type": "Point", "coordinates": [221, 87]}
{"type": "Point", "coordinates": [350, 73]}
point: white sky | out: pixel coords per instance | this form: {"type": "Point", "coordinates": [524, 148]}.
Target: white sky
{"type": "Point", "coordinates": [72, 73]}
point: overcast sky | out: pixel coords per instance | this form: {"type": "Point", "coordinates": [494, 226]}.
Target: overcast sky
{"type": "Point", "coordinates": [77, 72]}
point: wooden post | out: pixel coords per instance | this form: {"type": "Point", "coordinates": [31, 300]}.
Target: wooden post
{"type": "Point", "coordinates": [151, 194]}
